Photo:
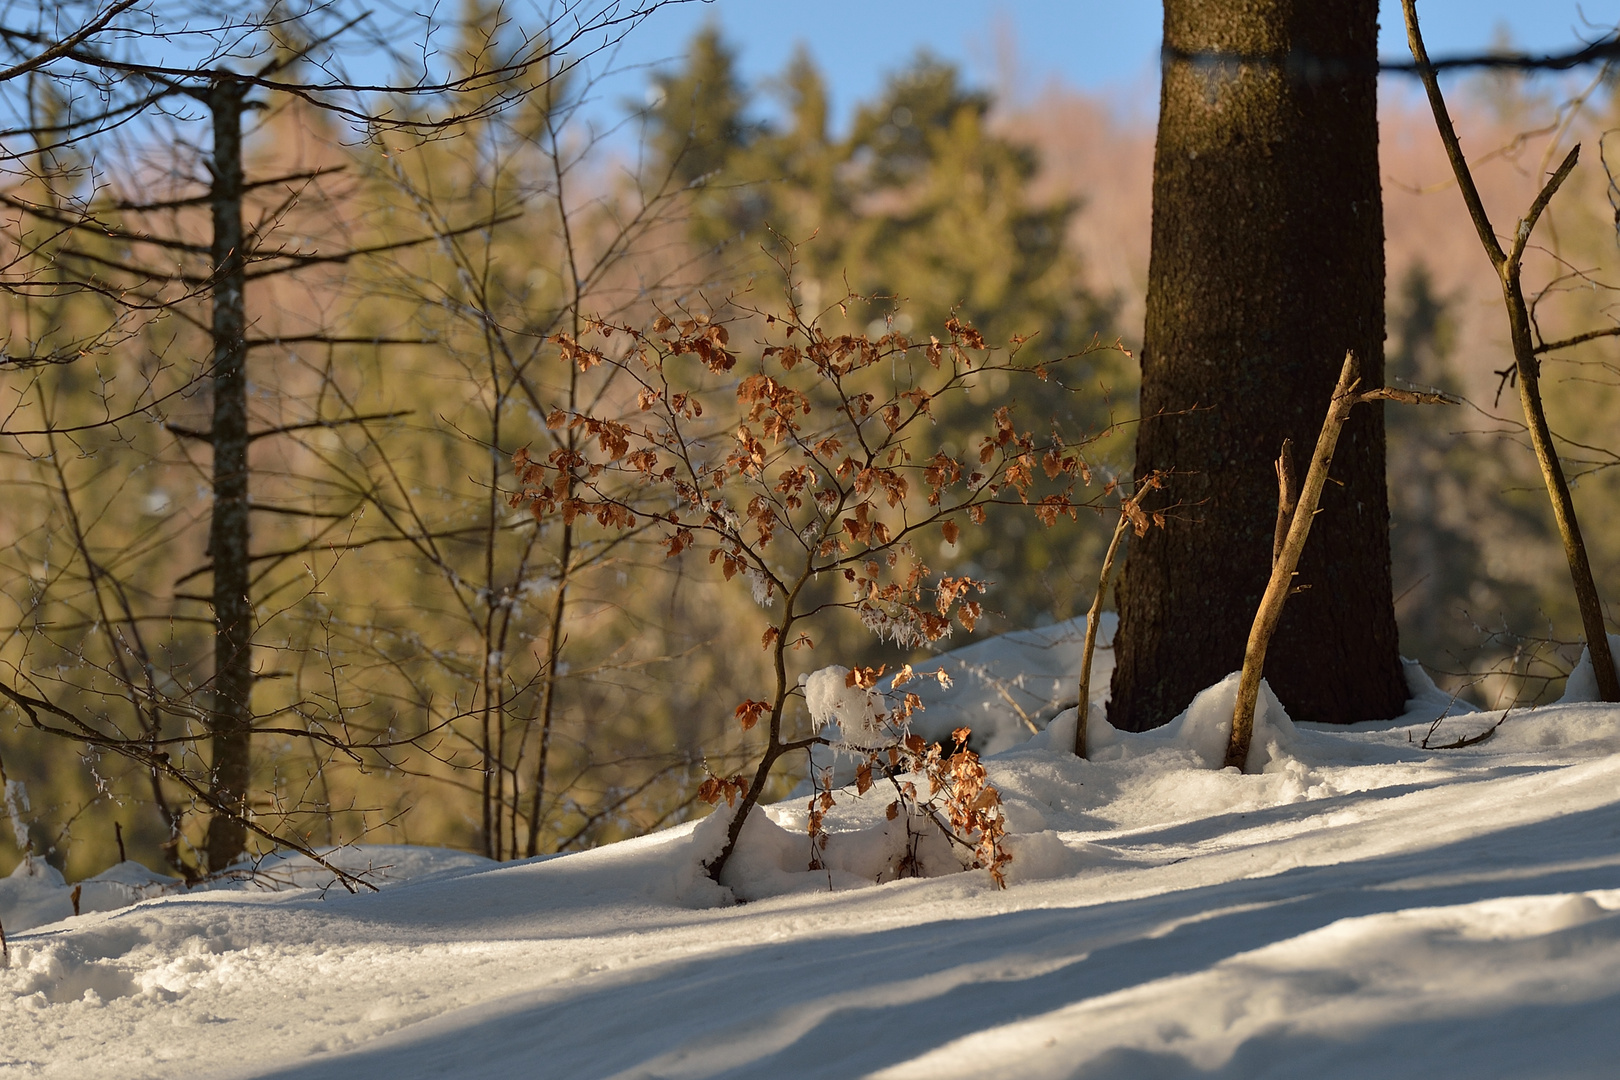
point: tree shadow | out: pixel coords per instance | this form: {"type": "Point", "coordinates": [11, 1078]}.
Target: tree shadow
{"type": "Point", "coordinates": [845, 1005]}
{"type": "Point", "coordinates": [1518, 1042]}
{"type": "Point", "coordinates": [1202, 828]}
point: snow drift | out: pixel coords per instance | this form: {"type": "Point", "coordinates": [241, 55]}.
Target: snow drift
{"type": "Point", "coordinates": [1352, 905]}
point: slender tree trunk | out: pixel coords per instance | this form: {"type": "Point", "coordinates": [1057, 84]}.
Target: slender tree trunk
{"type": "Point", "coordinates": [1267, 265]}
{"type": "Point", "coordinates": [1082, 712]}
{"type": "Point", "coordinates": [228, 538]}
{"type": "Point", "coordinates": [548, 696]}
{"type": "Point", "coordinates": [565, 557]}
{"type": "Point", "coordinates": [1526, 362]}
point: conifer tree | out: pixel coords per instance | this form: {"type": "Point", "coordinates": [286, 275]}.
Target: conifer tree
{"type": "Point", "coordinates": [923, 210]}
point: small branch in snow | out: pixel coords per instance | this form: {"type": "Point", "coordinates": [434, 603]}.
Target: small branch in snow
{"type": "Point", "coordinates": [1471, 740]}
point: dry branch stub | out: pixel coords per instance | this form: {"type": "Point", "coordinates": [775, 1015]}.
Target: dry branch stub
{"type": "Point", "coordinates": [1093, 617]}
{"type": "Point", "coordinates": [1287, 497]}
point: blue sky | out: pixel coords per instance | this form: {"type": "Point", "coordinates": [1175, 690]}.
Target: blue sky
{"type": "Point", "coordinates": [1104, 46]}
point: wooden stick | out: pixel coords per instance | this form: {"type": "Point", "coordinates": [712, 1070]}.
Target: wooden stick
{"type": "Point", "coordinates": [1526, 365]}
{"type": "Point", "coordinates": [1283, 566]}
{"type": "Point", "coordinates": [1285, 555]}
{"type": "Point", "coordinates": [1093, 617]}
{"type": "Point", "coordinates": [1287, 497]}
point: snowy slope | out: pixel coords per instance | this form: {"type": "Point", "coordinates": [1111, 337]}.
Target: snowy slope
{"type": "Point", "coordinates": [1361, 907]}
{"type": "Point", "coordinates": [1004, 687]}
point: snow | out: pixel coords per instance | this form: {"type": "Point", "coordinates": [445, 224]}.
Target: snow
{"type": "Point", "coordinates": [856, 714]}
{"type": "Point", "coordinates": [999, 682]}
{"type": "Point", "coordinates": [1353, 905]}
{"type": "Point", "coordinates": [1582, 682]}
{"type": "Point", "coordinates": [34, 894]}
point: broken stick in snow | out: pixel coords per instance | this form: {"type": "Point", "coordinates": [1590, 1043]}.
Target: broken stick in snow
{"type": "Point", "coordinates": [1291, 543]}
{"type": "Point", "coordinates": [1133, 514]}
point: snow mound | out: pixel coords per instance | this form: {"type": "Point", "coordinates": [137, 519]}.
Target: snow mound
{"type": "Point", "coordinates": [1582, 683]}
{"type": "Point", "coordinates": [36, 895]}
{"type": "Point", "coordinates": [1205, 726]}
{"type": "Point", "coordinates": [1201, 730]}
{"type": "Point", "coordinates": [1006, 687]}
{"type": "Point", "coordinates": [1041, 782]}
{"type": "Point", "coordinates": [33, 895]}
{"type": "Point", "coordinates": [379, 864]}
{"type": "Point", "coordinates": [775, 856]}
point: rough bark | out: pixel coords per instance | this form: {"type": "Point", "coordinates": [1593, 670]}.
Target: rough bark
{"type": "Point", "coordinates": [1266, 268]}
{"type": "Point", "coordinates": [231, 718]}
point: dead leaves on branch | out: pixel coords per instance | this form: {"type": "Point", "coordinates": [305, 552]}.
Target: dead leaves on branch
{"type": "Point", "coordinates": [1131, 505]}
{"type": "Point", "coordinates": [946, 788]}
{"type": "Point", "coordinates": [749, 712]}
{"type": "Point", "coordinates": [809, 464]}
{"type": "Point", "coordinates": [833, 490]}
{"type": "Point", "coordinates": [729, 788]}
{"type": "Point", "coordinates": [807, 458]}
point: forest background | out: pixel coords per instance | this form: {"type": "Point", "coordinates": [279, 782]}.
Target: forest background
{"type": "Point", "coordinates": [539, 685]}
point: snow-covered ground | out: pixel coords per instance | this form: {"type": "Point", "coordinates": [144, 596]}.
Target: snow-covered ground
{"type": "Point", "coordinates": [1358, 906]}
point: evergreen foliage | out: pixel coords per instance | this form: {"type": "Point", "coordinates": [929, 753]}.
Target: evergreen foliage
{"type": "Point", "coordinates": [922, 211]}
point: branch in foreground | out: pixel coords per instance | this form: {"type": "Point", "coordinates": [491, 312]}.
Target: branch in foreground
{"type": "Point", "coordinates": [1286, 559]}
{"type": "Point", "coordinates": [159, 761]}
{"type": "Point", "coordinates": [1526, 365]}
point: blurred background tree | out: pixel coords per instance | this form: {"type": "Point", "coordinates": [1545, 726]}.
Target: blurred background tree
{"type": "Point", "coordinates": [398, 597]}
{"type": "Point", "coordinates": [921, 211]}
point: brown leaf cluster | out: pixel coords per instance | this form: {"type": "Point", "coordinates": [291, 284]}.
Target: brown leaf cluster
{"type": "Point", "coordinates": [808, 464]}
{"type": "Point", "coordinates": [729, 788]}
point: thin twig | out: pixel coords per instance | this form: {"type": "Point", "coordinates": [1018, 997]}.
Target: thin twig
{"type": "Point", "coordinates": [1082, 709]}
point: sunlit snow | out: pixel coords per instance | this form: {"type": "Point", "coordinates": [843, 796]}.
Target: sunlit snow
{"type": "Point", "coordinates": [1354, 906]}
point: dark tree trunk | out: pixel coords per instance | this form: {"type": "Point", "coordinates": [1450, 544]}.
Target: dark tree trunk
{"type": "Point", "coordinates": [1267, 265]}
{"type": "Point", "coordinates": [232, 715]}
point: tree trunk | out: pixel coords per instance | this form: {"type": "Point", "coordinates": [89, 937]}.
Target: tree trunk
{"type": "Point", "coordinates": [1267, 266]}
{"type": "Point", "coordinates": [228, 539]}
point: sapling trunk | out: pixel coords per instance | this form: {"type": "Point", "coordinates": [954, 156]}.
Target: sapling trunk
{"type": "Point", "coordinates": [1286, 561]}
{"type": "Point", "coordinates": [548, 696]}
{"type": "Point", "coordinates": [1083, 709]}
{"type": "Point", "coordinates": [231, 719]}
{"type": "Point", "coordinates": [774, 746]}
{"type": "Point", "coordinates": [1526, 365]}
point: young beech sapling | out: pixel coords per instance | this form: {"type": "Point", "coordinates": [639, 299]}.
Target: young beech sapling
{"type": "Point", "coordinates": [807, 470]}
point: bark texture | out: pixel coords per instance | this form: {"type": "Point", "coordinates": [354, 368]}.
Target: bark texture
{"type": "Point", "coordinates": [232, 716]}
{"type": "Point", "coordinates": [1267, 266]}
